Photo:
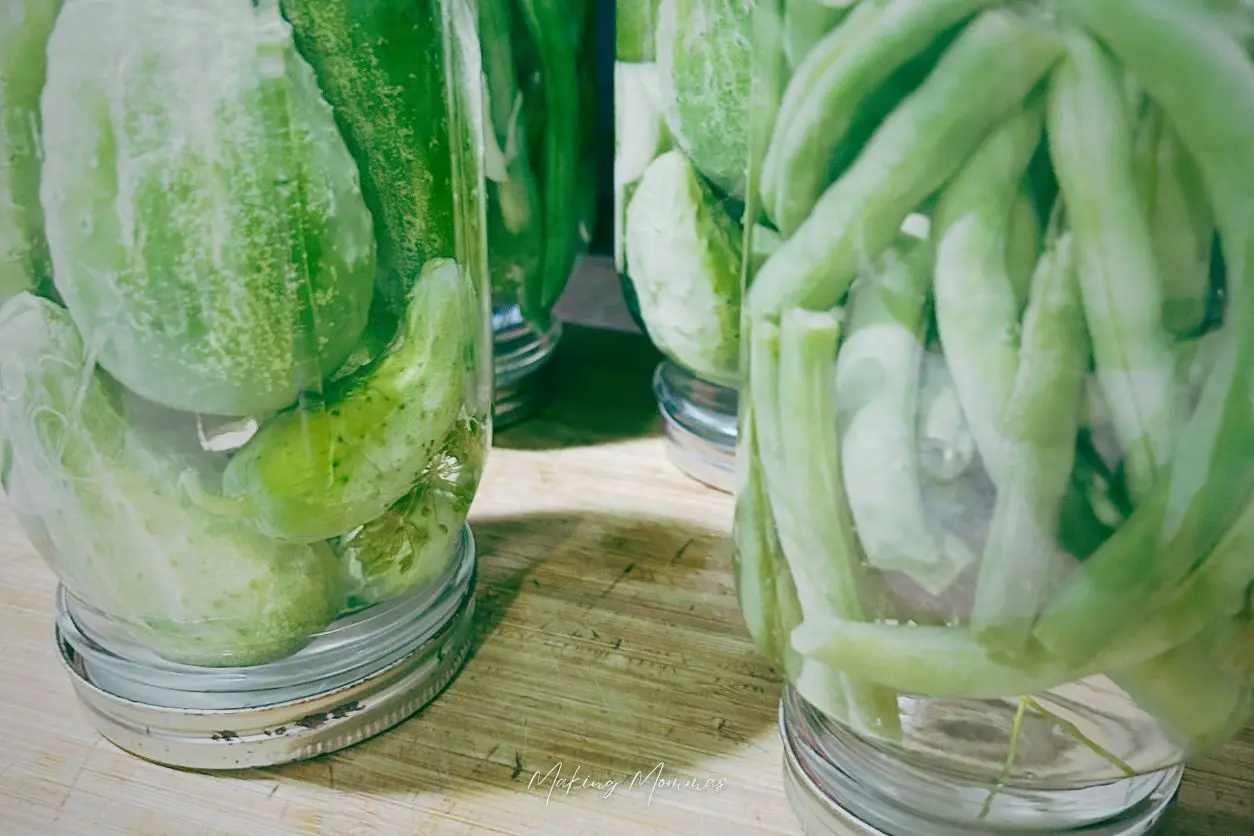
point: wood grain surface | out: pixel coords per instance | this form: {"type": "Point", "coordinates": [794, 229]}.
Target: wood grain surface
{"type": "Point", "coordinates": [609, 647]}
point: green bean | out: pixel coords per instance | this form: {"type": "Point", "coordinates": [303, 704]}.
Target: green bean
{"type": "Point", "coordinates": [988, 70]}
{"type": "Point", "coordinates": [948, 662]}
{"type": "Point", "coordinates": [1023, 560]}
{"type": "Point", "coordinates": [1120, 279]}
{"type": "Point", "coordinates": [820, 685]}
{"type": "Point", "coordinates": [976, 309]}
{"type": "Point", "coordinates": [1204, 82]}
{"type": "Point", "coordinates": [1021, 398]}
{"type": "Point", "coordinates": [770, 37]}
{"type": "Point", "coordinates": [757, 553]}
{"type": "Point", "coordinates": [1217, 590]}
{"type": "Point", "coordinates": [821, 103]}
{"type": "Point", "coordinates": [789, 616]}
{"type": "Point", "coordinates": [877, 386]}
{"type": "Point", "coordinates": [768, 76]}
{"type": "Point", "coordinates": [794, 406]}
{"type": "Point", "coordinates": [1185, 690]}
{"type": "Point", "coordinates": [941, 662]}
{"type": "Point", "coordinates": [1025, 244]}
{"type": "Point", "coordinates": [548, 24]}
{"type": "Point", "coordinates": [1175, 203]}
{"type": "Point", "coordinates": [767, 594]}
{"type": "Point", "coordinates": [513, 209]}
{"type": "Point", "coordinates": [805, 24]}
{"type": "Point", "coordinates": [818, 543]}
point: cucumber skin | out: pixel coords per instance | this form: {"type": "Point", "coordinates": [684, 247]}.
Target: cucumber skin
{"type": "Point", "coordinates": [315, 473]}
{"type": "Point", "coordinates": [102, 504]}
{"type": "Point", "coordinates": [381, 65]}
{"type": "Point", "coordinates": [24, 30]}
{"type": "Point", "coordinates": [204, 218]}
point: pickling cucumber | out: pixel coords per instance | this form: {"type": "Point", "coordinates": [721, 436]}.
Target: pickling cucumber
{"type": "Point", "coordinates": [316, 472]}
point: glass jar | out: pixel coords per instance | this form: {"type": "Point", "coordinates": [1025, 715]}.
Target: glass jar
{"type": "Point", "coordinates": [541, 179]}
{"type": "Point", "coordinates": [247, 420]}
{"type": "Point", "coordinates": [681, 88]}
{"type": "Point", "coordinates": [995, 492]}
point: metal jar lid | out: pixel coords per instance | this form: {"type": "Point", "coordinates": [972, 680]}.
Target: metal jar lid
{"type": "Point", "coordinates": [521, 356]}
{"type": "Point", "coordinates": [317, 721]}
{"type": "Point", "coordinates": [699, 424]}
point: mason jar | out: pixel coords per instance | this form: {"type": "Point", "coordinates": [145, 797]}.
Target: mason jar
{"type": "Point", "coordinates": [541, 168]}
{"type": "Point", "coordinates": [681, 88]}
{"type": "Point", "coordinates": [246, 416]}
{"type": "Point", "coordinates": [995, 490]}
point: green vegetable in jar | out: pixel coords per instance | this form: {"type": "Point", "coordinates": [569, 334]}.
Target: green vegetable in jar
{"type": "Point", "coordinates": [381, 65]}
{"type": "Point", "coordinates": [204, 216]}
{"type": "Point", "coordinates": [404, 549]}
{"type": "Point", "coordinates": [1087, 285]}
{"type": "Point", "coordinates": [704, 57]}
{"type": "Point", "coordinates": [634, 24]}
{"type": "Point", "coordinates": [514, 210]}
{"type": "Point", "coordinates": [103, 500]}
{"type": "Point", "coordinates": [554, 27]}
{"type": "Point", "coordinates": [412, 544]}
{"type": "Point", "coordinates": [25, 26]}
{"type": "Point", "coordinates": [321, 470]}
{"type": "Point", "coordinates": [683, 253]}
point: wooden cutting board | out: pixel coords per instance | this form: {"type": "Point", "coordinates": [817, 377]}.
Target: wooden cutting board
{"type": "Point", "coordinates": [609, 648]}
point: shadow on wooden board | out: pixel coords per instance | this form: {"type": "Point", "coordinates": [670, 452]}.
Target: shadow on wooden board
{"type": "Point", "coordinates": [600, 389]}
{"type": "Point", "coordinates": [607, 642]}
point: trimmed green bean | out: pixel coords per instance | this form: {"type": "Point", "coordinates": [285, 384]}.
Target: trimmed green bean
{"type": "Point", "coordinates": [1023, 561]}
{"type": "Point", "coordinates": [548, 24]}
{"type": "Point", "coordinates": [1182, 226]}
{"type": "Point", "coordinates": [1120, 279]}
{"type": "Point", "coordinates": [768, 596]}
{"type": "Point", "coordinates": [823, 101]}
{"type": "Point", "coordinates": [792, 377]}
{"type": "Point", "coordinates": [977, 312]}
{"type": "Point", "coordinates": [1204, 82]}
{"type": "Point", "coordinates": [877, 388]}
{"type": "Point", "coordinates": [987, 71]}
{"type": "Point", "coordinates": [757, 552]}
{"type": "Point", "coordinates": [808, 343]}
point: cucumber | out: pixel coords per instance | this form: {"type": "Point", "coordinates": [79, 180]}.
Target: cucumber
{"type": "Point", "coordinates": [704, 49]}
{"type": "Point", "coordinates": [101, 502]}
{"type": "Point", "coordinates": [204, 216]}
{"type": "Point", "coordinates": [408, 547]}
{"type": "Point", "coordinates": [24, 29]}
{"type": "Point", "coordinates": [312, 474]}
{"type": "Point", "coordinates": [381, 65]}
